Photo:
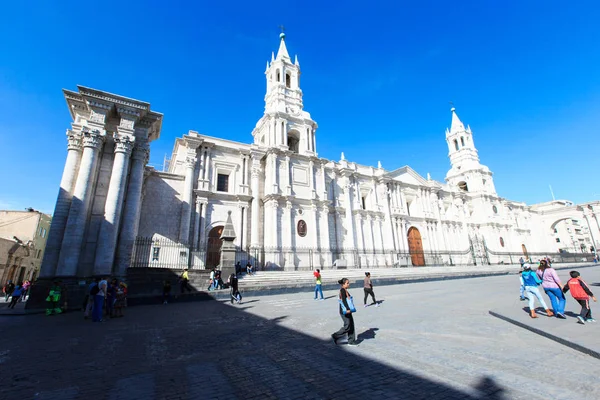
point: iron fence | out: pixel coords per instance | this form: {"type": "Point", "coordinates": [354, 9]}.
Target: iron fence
{"type": "Point", "coordinates": [164, 253]}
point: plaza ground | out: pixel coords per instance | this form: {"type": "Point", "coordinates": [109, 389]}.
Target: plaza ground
{"type": "Point", "coordinates": [432, 340]}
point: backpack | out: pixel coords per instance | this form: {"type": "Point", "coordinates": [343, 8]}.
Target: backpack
{"type": "Point", "coordinates": [95, 290]}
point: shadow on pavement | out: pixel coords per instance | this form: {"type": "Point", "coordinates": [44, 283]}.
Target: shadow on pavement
{"type": "Point", "coordinates": [368, 334]}
{"type": "Point", "coordinates": [201, 350]}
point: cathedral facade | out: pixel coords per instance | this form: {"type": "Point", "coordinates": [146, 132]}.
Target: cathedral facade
{"type": "Point", "coordinates": [290, 209]}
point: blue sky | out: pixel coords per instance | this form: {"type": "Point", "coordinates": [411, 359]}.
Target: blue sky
{"type": "Point", "coordinates": [377, 77]}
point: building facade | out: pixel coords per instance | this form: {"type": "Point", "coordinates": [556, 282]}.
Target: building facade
{"type": "Point", "coordinates": [291, 209]}
{"type": "Point", "coordinates": [24, 235]}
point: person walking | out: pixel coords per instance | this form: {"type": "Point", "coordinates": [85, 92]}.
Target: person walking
{"type": "Point", "coordinates": [318, 283]}
{"type": "Point", "coordinates": [233, 289]}
{"type": "Point", "coordinates": [582, 293]}
{"type": "Point", "coordinates": [522, 287]}
{"type": "Point", "coordinates": [8, 289]}
{"type": "Point", "coordinates": [368, 288]}
{"type": "Point", "coordinates": [346, 309]}
{"type": "Point", "coordinates": [91, 295]}
{"type": "Point", "coordinates": [16, 295]}
{"type": "Point", "coordinates": [53, 299]}
{"type": "Point", "coordinates": [553, 288]}
{"type": "Point", "coordinates": [531, 281]}
{"type": "Point", "coordinates": [184, 280]}
{"type": "Point", "coordinates": [99, 299]}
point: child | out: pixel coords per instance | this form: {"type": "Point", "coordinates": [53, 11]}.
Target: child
{"type": "Point", "coordinates": [522, 288]}
{"type": "Point", "coordinates": [531, 281]}
{"type": "Point", "coordinates": [580, 292]}
{"type": "Point", "coordinates": [166, 292]}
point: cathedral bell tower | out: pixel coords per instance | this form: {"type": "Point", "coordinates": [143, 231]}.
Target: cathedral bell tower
{"type": "Point", "coordinates": [285, 124]}
{"type": "Point", "coordinates": [467, 173]}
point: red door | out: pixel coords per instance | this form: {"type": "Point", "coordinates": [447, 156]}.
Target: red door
{"type": "Point", "coordinates": [213, 247]}
{"type": "Point", "coordinates": [415, 247]}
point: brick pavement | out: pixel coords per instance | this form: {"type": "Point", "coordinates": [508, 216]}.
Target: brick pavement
{"type": "Point", "coordinates": [428, 340]}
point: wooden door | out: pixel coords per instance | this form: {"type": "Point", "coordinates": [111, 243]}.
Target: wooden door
{"type": "Point", "coordinates": [415, 247]}
{"type": "Point", "coordinates": [213, 247]}
{"type": "Point", "coordinates": [525, 254]}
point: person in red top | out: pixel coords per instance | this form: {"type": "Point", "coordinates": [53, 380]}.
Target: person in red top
{"type": "Point", "coordinates": [580, 292]}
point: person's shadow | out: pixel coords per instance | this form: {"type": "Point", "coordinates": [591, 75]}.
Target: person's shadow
{"type": "Point", "coordinates": [368, 334]}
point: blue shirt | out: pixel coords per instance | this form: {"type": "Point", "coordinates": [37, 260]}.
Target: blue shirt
{"type": "Point", "coordinates": [18, 291]}
{"type": "Point", "coordinates": [530, 278]}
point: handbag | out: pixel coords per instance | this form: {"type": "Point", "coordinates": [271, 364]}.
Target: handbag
{"type": "Point", "coordinates": [350, 302]}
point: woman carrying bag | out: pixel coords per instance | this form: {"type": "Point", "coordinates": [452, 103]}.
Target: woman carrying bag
{"type": "Point", "coordinates": [346, 310]}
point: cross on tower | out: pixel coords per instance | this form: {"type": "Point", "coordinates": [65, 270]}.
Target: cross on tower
{"type": "Point", "coordinates": [282, 28]}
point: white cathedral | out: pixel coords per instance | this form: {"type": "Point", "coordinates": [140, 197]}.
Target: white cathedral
{"type": "Point", "coordinates": [290, 209]}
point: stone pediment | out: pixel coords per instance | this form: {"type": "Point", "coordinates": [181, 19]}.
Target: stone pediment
{"type": "Point", "coordinates": [407, 175]}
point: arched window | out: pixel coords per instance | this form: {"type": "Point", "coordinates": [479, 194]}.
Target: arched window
{"type": "Point", "coordinates": [288, 81]}
{"type": "Point", "coordinates": [278, 76]}
{"type": "Point", "coordinates": [501, 241]}
{"type": "Point", "coordinates": [293, 141]}
{"type": "Point", "coordinates": [462, 141]}
{"type": "Point", "coordinates": [455, 144]}
{"type": "Point", "coordinates": [463, 186]}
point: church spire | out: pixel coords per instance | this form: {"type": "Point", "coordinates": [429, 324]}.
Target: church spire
{"type": "Point", "coordinates": [457, 125]}
{"type": "Point", "coordinates": [282, 53]}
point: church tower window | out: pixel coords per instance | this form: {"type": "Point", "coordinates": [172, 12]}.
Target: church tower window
{"type": "Point", "coordinates": [463, 186]}
{"type": "Point", "coordinates": [288, 81]}
{"type": "Point", "coordinates": [278, 76]}
{"type": "Point", "coordinates": [364, 202]}
{"type": "Point", "coordinates": [222, 183]}
{"type": "Point", "coordinates": [455, 144]}
{"type": "Point", "coordinates": [293, 141]}
{"type": "Point", "coordinates": [462, 141]}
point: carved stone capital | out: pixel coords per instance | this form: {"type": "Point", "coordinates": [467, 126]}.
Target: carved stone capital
{"type": "Point", "coordinates": [74, 140]}
{"type": "Point", "coordinates": [93, 139]}
{"type": "Point", "coordinates": [190, 161]}
{"type": "Point", "coordinates": [141, 151]}
{"type": "Point", "coordinates": [255, 172]}
{"type": "Point", "coordinates": [98, 117]}
{"type": "Point", "coordinates": [123, 144]}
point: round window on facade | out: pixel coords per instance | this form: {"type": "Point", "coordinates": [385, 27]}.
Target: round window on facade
{"type": "Point", "coordinates": [495, 209]}
{"type": "Point", "coordinates": [501, 242]}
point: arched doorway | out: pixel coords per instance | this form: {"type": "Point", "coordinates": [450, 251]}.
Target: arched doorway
{"type": "Point", "coordinates": [213, 247]}
{"type": "Point", "coordinates": [525, 254]}
{"type": "Point", "coordinates": [415, 247]}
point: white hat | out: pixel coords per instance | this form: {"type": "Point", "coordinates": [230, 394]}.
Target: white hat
{"type": "Point", "coordinates": [526, 266]}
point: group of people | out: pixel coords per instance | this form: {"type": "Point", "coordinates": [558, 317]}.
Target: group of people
{"type": "Point", "coordinates": [346, 305]}
{"type": "Point", "coordinates": [546, 277]}
{"type": "Point", "coordinates": [249, 268]}
{"type": "Point", "coordinates": [16, 293]}
{"type": "Point", "coordinates": [105, 298]}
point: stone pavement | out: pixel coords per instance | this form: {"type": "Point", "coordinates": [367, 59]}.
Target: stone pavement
{"type": "Point", "coordinates": [429, 340]}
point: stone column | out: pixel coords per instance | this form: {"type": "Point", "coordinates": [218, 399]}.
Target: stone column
{"type": "Point", "coordinates": [207, 176]}
{"type": "Point", "coordinates": [186, 206]}
{"type": "Point", "coordinates": [109, 230]}
{"type": "Point", "coordinates": [241, 233]}
{"type": "Point", "coordinates": [201, 233]}
{"type": "Point", "coordinates": [324, 228]}
{"type": "Point", "coordinates": [389, 230]}
{"type": "Point", "coordinates": [254, 239]}
{"type": "Point", "coordinates": [349, 222]}
{"type": "Point", "coordinates": [311, 177]}
{"type": "Point", "coordinates": [360, 241]}
{"type": "Point", "coordinates": [286, 178]}
{"type": "Point", "coordinates": [323, 183]}
{"type": "Point", "coordinates": [133, 205]}
{"type": "Point", "coordinates": [63, 204]}
{"type": "Point", "coordinates": [198, 211]}
{"type": "Point", "coordinates": [80, 204]}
